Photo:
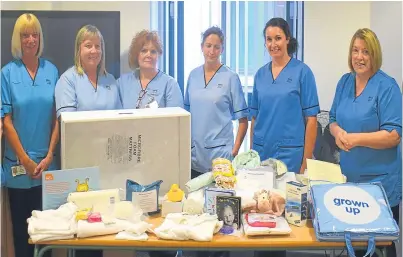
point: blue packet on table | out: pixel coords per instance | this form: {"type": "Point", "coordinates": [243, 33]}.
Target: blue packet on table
{"type": "Point", "coordinates": [145, 196]}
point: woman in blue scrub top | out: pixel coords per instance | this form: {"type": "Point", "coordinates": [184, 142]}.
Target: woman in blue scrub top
{"type": "Point", "coordinates": [87, 86]}
{"type": "Point", "coordinates": [215, 98]}
{"type": "Point", "coordinates": [31, 129]}
{"type": "Point", "coordinates": [284, 103]}
{"type": "Point", "coordinates": [366, 121]}
{"type": "Point", "coordinates": [146, 86]}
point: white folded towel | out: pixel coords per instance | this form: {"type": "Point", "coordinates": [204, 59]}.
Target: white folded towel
{"type": "Point", "coordinates": [49, 237]}
{"type": "Point", "coordinates": [65, 211]}
{"type": "Point", "coordinates": [124, 235]}
{"type": "Point", "coordinates": [86, 229]}
{"type": "Point", "coordinates": [43, 226]}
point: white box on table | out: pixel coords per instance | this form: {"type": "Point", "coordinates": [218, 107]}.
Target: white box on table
{"type": "Point", "coordinates": [296, 210]}
{"type": "Point", "coordinates": [143, 145]}
{"type": "Point", "coordinates": [171, 207]}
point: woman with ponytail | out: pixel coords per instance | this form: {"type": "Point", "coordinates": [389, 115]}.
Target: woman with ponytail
{"type": "Point", "coordinates": [284, 103]}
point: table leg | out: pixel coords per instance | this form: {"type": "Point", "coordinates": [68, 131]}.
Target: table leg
{"type": "Point", "coordinates": [381, 252]}
{"type": "Point", "coordinates": [36, 250]}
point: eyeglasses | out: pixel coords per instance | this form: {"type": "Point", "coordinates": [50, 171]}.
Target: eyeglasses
{"type": "Point", "coordinates": [141, 96]}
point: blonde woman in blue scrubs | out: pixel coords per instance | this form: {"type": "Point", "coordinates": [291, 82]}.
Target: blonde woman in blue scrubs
{"type": "Point", "coordinates": [366, 121]}
{"type": "Point", "coordinates": [87, 86]}
{"type": "Point", "coordinates": [30, 126]}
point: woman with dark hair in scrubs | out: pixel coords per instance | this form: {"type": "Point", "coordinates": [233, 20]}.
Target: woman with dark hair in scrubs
{"type": "Point", "coordinates": [284, 105]}
{"type": "Point", "coordinates": [366, 121]}
{"type": "Point", "coordinates": [215, 98]}
{"type": "Point", "coordinates": [30, 126]}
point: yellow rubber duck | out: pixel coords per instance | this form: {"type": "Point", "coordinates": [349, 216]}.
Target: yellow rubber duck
{"type": "Point", "coordinates": [175, 194]}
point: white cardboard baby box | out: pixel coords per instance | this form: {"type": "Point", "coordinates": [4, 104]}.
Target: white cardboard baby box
{"type": "Point", "coordinates": [143, 145]}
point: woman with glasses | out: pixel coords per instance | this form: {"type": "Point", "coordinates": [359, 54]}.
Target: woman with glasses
{"type": "Point", "coordinates": [146, 86]}
{"type": "Point", "coordinates": [87, 85]}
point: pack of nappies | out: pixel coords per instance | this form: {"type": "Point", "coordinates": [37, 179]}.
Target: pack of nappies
{"type": "Point", "coordinates": [353, 212]}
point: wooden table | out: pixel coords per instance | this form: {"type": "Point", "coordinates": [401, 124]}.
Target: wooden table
{"type": "Point", "coordinates": [301, 238]}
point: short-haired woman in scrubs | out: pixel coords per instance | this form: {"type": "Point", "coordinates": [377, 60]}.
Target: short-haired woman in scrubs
{"type": "Point", "coordinates": [87, 86]}
{"type": "Point", "coordinates": [30, 126]}
{"type": "Point", "coordinates": [284, 103]}
{"type": "Point", "coordinates": [366, 121]}
{"type": "Point", "coordinates": [146, 86]}
{"type": "Point", "coordinates": [215, 98]}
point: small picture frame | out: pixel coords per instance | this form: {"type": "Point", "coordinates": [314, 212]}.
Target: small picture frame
{"type": "Point", "coordinates": [229, 211]}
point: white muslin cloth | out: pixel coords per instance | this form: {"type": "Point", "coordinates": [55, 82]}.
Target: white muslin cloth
{"type": "Point", "coordinates": [181, 226]}
{"type": "Point", "coordinates": [124, 235]}
{"type": "Point", "coordinates": [65, 211]}
{"type": "Point", "coordinates": [86, 229]}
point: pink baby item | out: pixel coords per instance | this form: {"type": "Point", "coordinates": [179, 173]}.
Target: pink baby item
{"type": "Point", "coordinates": [94, 217]}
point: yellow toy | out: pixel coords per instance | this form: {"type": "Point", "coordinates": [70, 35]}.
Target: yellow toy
{"type": "Point", "coordinates": [224, 173]}
{"type": "Point", "coordinates": [82, 214]}
{"type": "Point", "coordinates": [83, 187]}
{"type": "Point", "coordinates": [223, 167]}
{"type": "Point", "coordinates": [175, 194]}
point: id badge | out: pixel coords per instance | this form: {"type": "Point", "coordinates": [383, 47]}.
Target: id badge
{"type": "Point", "coordinates": [153, 105]}
{"type": "Point", "coordinates": [18, 170]}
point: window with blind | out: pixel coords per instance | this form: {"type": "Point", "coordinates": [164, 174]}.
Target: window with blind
{"type": "Point", "coordinates": [181, 24]}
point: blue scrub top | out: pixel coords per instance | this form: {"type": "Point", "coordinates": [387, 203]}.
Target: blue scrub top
{"type": "Point", "coordinates": [31, 104]}
{"type": "Point", "coordinates": [76, 93]}
{"type": "Point", "coordinates": [3, 178]}
{"type": "Point", "coordinates": [379, 107]}
{"type": "Point", "coordinates": [280, 107]}
{"type": "Point", "coordinates": [162, 88]}
{"type": "Point", "coordinates": [213, 107]}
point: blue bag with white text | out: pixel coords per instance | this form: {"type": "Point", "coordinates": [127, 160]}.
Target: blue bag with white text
{"type": "Point", "coordinates": [353, 212]}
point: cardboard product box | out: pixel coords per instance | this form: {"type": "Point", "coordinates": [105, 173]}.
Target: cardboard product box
{"type": "Point", "coordinates": [296, 210]}
{"type": "Point", "coordinates": [171, 207]}
{"type": "Point", "coordinates": [143, 145]}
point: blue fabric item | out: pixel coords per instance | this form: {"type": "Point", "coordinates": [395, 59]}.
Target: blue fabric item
{"type": "Point", "coordinates": [280, 107]}
{"type": "Point", "coordinates": [362, 210]}
{"type": "Point", "coordinates": [30, 102]}
{"type": "Point", "coordinates": [132, 186]}
{"type": "Point", "coordinates": [379, 107]}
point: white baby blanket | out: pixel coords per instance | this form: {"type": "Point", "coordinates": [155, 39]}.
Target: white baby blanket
{"type": "Point", "coordinates": [181, 226]}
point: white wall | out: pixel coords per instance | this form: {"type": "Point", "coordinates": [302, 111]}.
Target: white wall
{"type": "Point", "coordinates": [328, 29]}
{"type": "Point", "coordinates": [134, 16]}
{"type": "Point", "coordinates": [386, 22]}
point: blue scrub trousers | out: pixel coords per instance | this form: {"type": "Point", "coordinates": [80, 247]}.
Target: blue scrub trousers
{"type": "Point", "coordinates": [22, 203]}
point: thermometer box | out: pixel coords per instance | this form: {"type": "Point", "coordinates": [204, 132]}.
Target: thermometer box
{"type": "Point", "coordinates": [296, 210]}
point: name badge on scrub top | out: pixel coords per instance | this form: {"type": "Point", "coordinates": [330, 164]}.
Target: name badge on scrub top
{"type": "Point", "coordinates": [18, 170]}
{"type": "Point", "coordinates": [153, 105]}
